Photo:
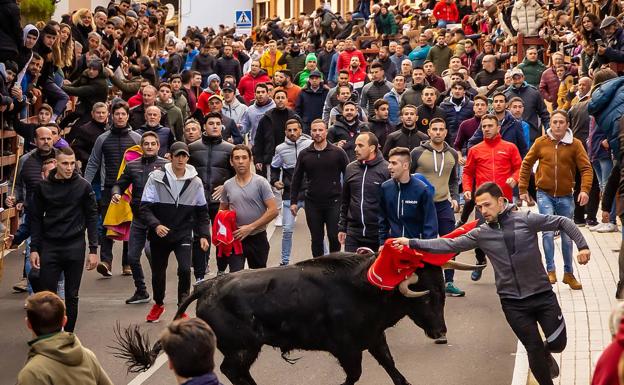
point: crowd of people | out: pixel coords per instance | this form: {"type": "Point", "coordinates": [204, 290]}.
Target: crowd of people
{"type": "Point", "coordinates": [381, 122]}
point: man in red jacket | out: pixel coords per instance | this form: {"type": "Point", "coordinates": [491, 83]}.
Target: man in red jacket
{"type": "Point", "coordinates": [608, 364]}
{"type": "Point", "coordinates": [344, 59]}
{"type": "Point", "coordinates": [446, 13]}
{"type": "Point", "coordinates": [255, 76]}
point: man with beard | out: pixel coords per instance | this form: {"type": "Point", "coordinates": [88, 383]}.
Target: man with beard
{"type": "Point", "coordinates": [261, 105]}
{"type": "Point", "coordinates": [137, 113]}
{"type": "Point", "coordinates": [390, 70]}
{"type": "Point", "coordinates": [374, 90]}
{"type": "Point", "coordinates": [283, 79]}
{"type": "Point", "coordinates": [491, 77]}
{"type": "Point", "coordinates": [344, 59]}
{"type": "Point", "coordinates": [432, 77]}
{"type": "Point", "coordinates": [413, 95]}
{"type": "Point", "coordinates": [325, 57]}
{"type": "Point", "coordinates": [359, 221]}
{"type": "Point", "coordinates": [309, 105]}
{"type": "Point", "coordinates": [346, 129]}
{"type": "Point", "coordinates": [82, 138]}
{"type": "Point", "coordinates": [428, 110]}
{"type": "Point", "coordinates": [440, 54]}
{"type": "Point", "coordinates": [323, 165]}
{"type": "Point", "coordinates": [270, 132]}
{"type": "Point", "coordinates": [343, 95]}
{"type": "Point", "coordinates": [379, 123]}
{"type": "Point", "coordinates": [204, 63]}
{"type": "Point", "coordinates": [228, 65]}
{"type": "Point", "coordinates": [357, 75]}
{"type": "Point", "coordinates": [458, 107]}
{"type": "Point", "coordinates": [406, 133]}
{"type": "Point", "coordinates": [331, 100]}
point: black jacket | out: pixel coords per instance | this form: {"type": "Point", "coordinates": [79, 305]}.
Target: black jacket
{"type": "Point", "coordinates": [341, 130]}
{"type": "Point", "coordinates": [360, 198]}
{"type": "Point", "coordinates": [324, 61]}
{"type": "Point", "coordinates": [211, 159]}
{"type": "Point", "coordinates": [61, 211]}
{"type": "Point", "coordinates": [165, 136]}
{"type": "Point", "coordinates": [89, 91]}
{"type": "Point", "coordinates": [26, 131]}
{"type": "Point", "coordinates": [228, 66]}
{"type": "Point", "coordinates": [381, 128]}
{"type": "Point", "coordinates": [323, 172]}
{"type": "Point", "coordinates": [270, 133]}
{"type": "Point", "coordinates": [425, 114]}
{"type": "Point", "coordinates": [82, 138]}
{"type": "Point", "coordinates": [136, 174]}
{"type": "Point", "coordinates": [173, 66]}
{"type": "Point", "coordinates": [137, 117]}
{"type": "Point", "coordinates": [309, 104]}
{"type": "Point", "coordinates": [29, 175]}
{"type": "Point", "coordinates": [413, 95]}
{"type": "Point", "coordinates": [204, 64]}
{"type": "Point", "coordinates": [80, 33]}
{"type": "Point", "coordinates": [10, 29]}
{"type": "Point", "coordinates": [403, 137]}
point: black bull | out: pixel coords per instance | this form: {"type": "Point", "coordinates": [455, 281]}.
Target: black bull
{"type": "Point", "coordinates": [322, 304]}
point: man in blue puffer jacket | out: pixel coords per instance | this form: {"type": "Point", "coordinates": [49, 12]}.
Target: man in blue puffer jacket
{"type": "Point", "coordinates": [457, 107]}
{"type": "Point", "coordinates": [607, 106]}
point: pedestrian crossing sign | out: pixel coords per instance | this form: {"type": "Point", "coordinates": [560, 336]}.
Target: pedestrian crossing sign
{"type": "Point", "coordinates": [243, 18]}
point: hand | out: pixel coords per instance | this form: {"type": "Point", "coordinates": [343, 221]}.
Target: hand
{"type": "Point", "coordinates": [259, 166]}
{"type": "Point", "coordinates": [583, 256]}
{"type": "Point", "coordinates": [341, 143]}
{"type": "Point", "coordinates": [468, 195]}
{"type": "Point", "coordinates": [293, 210]}
{"type": "Point", "coordinates": [602, 50]}
{"type": "Point", "coordinates": [278, 185]}
{"type": "Point", "coordinates": [8, 241]}
{"type": "Point", "coordinates": [115, 198]}
{"type": "Point", "coordinates": [605, 144]}
{"type": "Point", "coordinates": [492, 85]}
{"type": "Point", "coordinates": [605, 216]}
{"type": "Point", "coordinates": [16, 92]}
{"type": "Point", "coordinates": [455, 205]}
{"type": "Point", "coordinates": [92, 261]}
{"type": "Point", "coordinates": [10, 201]}
{"type": "Point", "coordinates": [401, 242]}
{"type": "Point", "coordinates": [66, 82]}
{"type": "Point", "coordinates": [511, 182]}
{"type": "Point", "coordinates": [217, 193]}
{"type": "Point", "coordinates": [243, 231]}
{"type": "Point", "coordinates": [204, 244]}
{"type": "Point", "coordinates": [461, 160]}
{"type": "Point", "coordinates": [109, 72]}
{"type": "Point", "coordinates": [583, 198]}
{"type": "Point", "coordinates": [342, 237]}
{"type": "Point", "coordinates": [524, 197]}
{"type": "Point", "coordinates": [162, 231]}
{"type": "Point", "coordinates": [34, 260]}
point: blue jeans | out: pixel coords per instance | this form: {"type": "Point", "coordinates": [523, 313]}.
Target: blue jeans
{"type": "Point", "coordinates": [288, 225]}
{"type": "Point", "coordinates": [563, 206]}
{"type": "Point", "coordinates": [602, 168]}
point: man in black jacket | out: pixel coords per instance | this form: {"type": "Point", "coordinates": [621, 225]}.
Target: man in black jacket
{"type": "Point", "coordinates": [204, 63]}
{"type": "Point", "coordinates": [428, 109]}
{"type": "Point", "coordinates": [358, 226]}
{"type": "Point", "coordinates": [108, 152]}
{"type": "Point", "coordinates": [323, 164]}
{"type": "Point", "coordinates": [379, 123]}
{"type": "Point", "coordinates": [135, 174]}
{"type": "Point", "coordinates": [82, 137]}
{"type": "Point", "coordinates": [346, 129]}
{"type": "Point", "coordinates": [64, 207]}
{"type": "Point", "coordinates": [309, 105]}
{"type": "Point", "coordinates": [137, 113]}
{"type": "Point", "coordinates": [27, 130]}
{"type": "Point", "coordinates": [406, 134]}
{"type": "Point", "coordinates": [211, 158]}
{"type": "Point", "coordinates": [228, 65]}
{"type": "Point", "coordinates": [270, 132]}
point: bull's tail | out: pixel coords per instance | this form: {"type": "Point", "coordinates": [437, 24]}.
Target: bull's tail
{"type": "Point", "coordinates": [198, 292]}
{"type": "Point", "coordinates": [134, 347]}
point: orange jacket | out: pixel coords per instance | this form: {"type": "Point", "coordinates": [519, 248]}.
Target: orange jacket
{"type": "Point", "coordinates": [493, 160]}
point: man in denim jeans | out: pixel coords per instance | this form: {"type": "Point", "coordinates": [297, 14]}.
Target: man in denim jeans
{"type": "Point", "coordinates": [559, 155]}
{"type": "Point", "coordinates": [282, 168]}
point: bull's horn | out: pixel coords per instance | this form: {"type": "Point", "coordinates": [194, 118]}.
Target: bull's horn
{"type": "Point", "coordinates": [364, 250]}
{"type": "Point", "coordinates": [404, 289]}
{"type": "Point", "coordinates": [461, 266]}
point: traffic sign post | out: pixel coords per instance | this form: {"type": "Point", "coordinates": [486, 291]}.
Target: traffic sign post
{"type": "Point", "coordinates": [243, 20]}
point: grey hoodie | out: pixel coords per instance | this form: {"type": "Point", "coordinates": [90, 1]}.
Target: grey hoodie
{"type": "Point", "coordinates": [251, 118]}
{"type": "Point", "coordinates": [511, 244]}
{"type": "Point", "coordinates": [234, 110]}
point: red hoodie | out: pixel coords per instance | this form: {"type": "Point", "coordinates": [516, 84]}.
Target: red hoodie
{"type": "Point", "coordinates": [607, 366]}
{"type": "Point", "coordinates": [445, 11]}
{"type": "Point", "coordinates": [344, 59]}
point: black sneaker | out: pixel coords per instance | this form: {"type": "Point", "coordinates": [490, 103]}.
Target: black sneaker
{"type": "Point", "coordinates": [591, 222]}
{"type": "Point", "coordinates": [105, 269]}
{"type": "Point", "coordinates": [553, 366]}
{"type": "Point", "coordinates": [580, 223]}
{"type": "Point", "coordinates": [138, 297]}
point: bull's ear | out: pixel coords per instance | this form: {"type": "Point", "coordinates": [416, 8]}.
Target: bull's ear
{"type": "Point", "coordinates": [364, 250]}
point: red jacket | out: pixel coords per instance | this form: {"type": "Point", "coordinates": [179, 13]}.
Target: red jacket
{"type": "Point", "coordinates": [202, 100]}
{"type": "Point", "coordinates": [357, 79]}
{"type": "Point", "coordinates": [223, 228]}
{"type": "Point", "coordinates": [247, 85]}
{"type": "Point", "coordinates": [607, 366]}
{"type": "Point", "coordinates": [447, 12]}
{"type": "Point", "coordinates": [493, 160]}
{"type": "Point", "coordinates": [344, 59]}
{"type": "Point", "coordinates": [393, 266]}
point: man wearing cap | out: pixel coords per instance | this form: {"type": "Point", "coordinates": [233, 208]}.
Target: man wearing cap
{"type": "Point", "coordinates": [613, 49]}
{"type": "Point", "coordinates": [173, 206]}
{"type": "Point", "coordinates": [231, 131]}
{"type": "Point", "coordinates": [247, 84]}
{"type": "Point", "coordinates": [232, 107]}
{"type": "Point", "coordinates": [301, 78]}
{"type": "Point", "coordinates": [534, 106]}
{"type": "Point", "coordinates": [294, 60]}
{"type": "Point", "coordinates": [309, 105]}
{"type": "Point", "coordinates": [213, 88]}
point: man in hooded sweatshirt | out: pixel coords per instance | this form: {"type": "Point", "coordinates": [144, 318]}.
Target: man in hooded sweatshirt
{"type": "Point", "coordinates": [261, 105]}
{"type": "Point", "coordinates": [30, 35]}
{"type": "Point", "coordinates": [301, 78]}
{"type": "Point", "coordinates": [213, 88]}
{"type": "Point", "coordinates": [56, 356]}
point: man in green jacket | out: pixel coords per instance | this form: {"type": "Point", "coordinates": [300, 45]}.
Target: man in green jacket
{"type": "Point", "coordinates": [532, 67]}
{"type": "Point", "coordinates": [56, 356]}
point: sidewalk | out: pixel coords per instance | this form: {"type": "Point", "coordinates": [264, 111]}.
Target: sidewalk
{"type": "Point", "coordinates": [586, 311]}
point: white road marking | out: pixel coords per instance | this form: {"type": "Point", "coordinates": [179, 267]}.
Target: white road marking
{"type": "Point", "coordinates": [521, 366]}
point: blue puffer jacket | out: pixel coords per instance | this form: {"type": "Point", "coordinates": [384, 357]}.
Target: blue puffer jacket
{"type": "Point", "coordinates": [454, 118]}
{"type": "Point", "coordinates": [407, 210]}
{"type": "Point", "coordinates": [607, 106]}
{"type": "Point", "coordinates": [393, 107]}
{"type": "Point", "coordinates": [511, 131]}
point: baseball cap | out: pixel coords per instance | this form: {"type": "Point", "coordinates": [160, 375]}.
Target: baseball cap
{"type": "Point", "coordinates": [213, 96]}
{"type": "Point", "coordinates": [178, 148]}
{"type": "Point", "coordinates": [228, 86]}
{"type": "Point", "coordinates": [516, 71]}
{"type": "Point", "coordinates": [316, 73]}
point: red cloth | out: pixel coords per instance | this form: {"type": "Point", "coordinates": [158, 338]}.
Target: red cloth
{"type": "Point", "coordinates": [607, 366]}
{"type": "Point", "coordinates": [393, 266]}
{"type": "Point", "coordinates": [223, 228]}
{"type": "Point", "coordinates": [493, 160]}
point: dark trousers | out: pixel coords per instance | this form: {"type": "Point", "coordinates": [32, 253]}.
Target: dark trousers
{"type": "Point", "coordinates": [67, 258]}
{"type": "Point", "coordinates": [255, 251]}
{"type": "Point", "coordinates": [523, 315]}
{"type": "Point", "coordinates": [161, 249]}
{"type": "Point", "coordinates": [201, 257]}
{"type": "Point", "coordinates": [468, 207]}
{"type": "Point", "coordinates": [106, 243]}
{"type": "Point", "coordinates": [352, 243]}
{"type": "Point", "coordinates": [320, 217]}
{"type": "Point", "coordinates": [589, 211]}
{"type": "Point", "coordinates": [136, 244]}
{"type": "Point", "coordinates": [446, 224]}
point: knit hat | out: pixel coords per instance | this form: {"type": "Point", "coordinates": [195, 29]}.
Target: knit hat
{"type": "Point", "coordinates": [311, 57]}
{"type": "Point", "coordinates": [214, 77]}
{"type": "Point", "coordinates": [394, 265]}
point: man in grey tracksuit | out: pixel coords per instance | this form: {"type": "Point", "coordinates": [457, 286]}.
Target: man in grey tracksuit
{"type": "Point", "coordinates": [509, 239]}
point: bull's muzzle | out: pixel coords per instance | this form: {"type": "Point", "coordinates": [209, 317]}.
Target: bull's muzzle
{"type": "Point", "coordinates": [405, 290]}
{"type": "Point", "coordinates": [461, 266]}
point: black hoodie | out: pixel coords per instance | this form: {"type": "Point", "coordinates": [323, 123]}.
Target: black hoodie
{"type": "Point", "coordinates": [381, 128]}
{"type": "Point", "coordinates": [343, 130]}
{"type": "Point", "coordinates": [403, 137]}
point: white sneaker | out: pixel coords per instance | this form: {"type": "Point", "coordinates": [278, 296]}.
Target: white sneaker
{"type": "Point", "coordinates": [597, 227]}
{"type": "Point", "coordinates": [278, 221]}
{"type": "Point", "coordinates": [608, 228]}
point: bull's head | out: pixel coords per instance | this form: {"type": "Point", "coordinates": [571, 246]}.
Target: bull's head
{"type": "Point", "coordinates": [425, 289]}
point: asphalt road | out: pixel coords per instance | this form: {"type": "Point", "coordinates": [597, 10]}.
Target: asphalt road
{"type": "Point", "coordinates": [480, 351]}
